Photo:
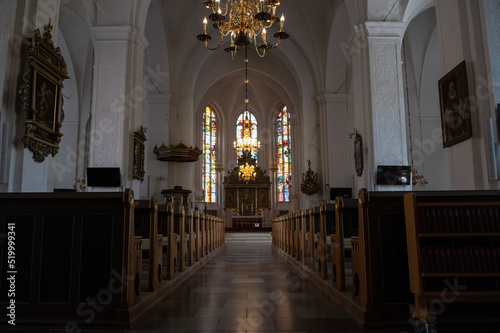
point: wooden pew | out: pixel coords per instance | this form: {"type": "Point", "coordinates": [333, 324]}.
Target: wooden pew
{"type": "Point", "coordinates": [63, 243]}
{"type": "Point", "coordinates": [303, 237]}
{"type": "Point", "coordinates": [155, 248]}
{"type": "Point", "coordinates": [296, 225]}
{"type": "Point", "coordinates": [192, 237]}
{"type": "Point", "coordinates": [322, 246]}
{"type": "Point", "coordinates": [449, 239]}
{"type": "Point", "coordinates": [198, 235]}
{"type": "Point", "coordinates": [172, 243]}
{"type": "Point", "coordinates": [338, 253]}
{"type": "Point", "coordinates": [311, 243]}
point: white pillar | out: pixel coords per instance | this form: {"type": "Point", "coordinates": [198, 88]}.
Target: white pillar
{"type": "Point", "coordinates": [117, 100]}
{"type": "Point", "coordinates": [182, 127]}
{"type": "Point", "coordinates": [337, 159]}
{"type": "Point", "coordinates": [379, 97]}
{"type": "Point", "coordinates": [159, 110]}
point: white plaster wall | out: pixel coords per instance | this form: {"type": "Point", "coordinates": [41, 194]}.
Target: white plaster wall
{"type": "Point", "coordinates": [492, 26]}
{"type": "Point", "coordinates": [61, 171]}
{"type": "Point", "coordinates": [157, 171]}
{"type": "Point", "coordinates": [5, 39]}
{"type": "Point", "coordinates": [451, 28]}
{"type": "Point", "coordinates": [424, 71]}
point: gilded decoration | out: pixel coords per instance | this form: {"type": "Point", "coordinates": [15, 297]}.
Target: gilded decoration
{"type": "Point", "coordinates": [177, 153]}
{"type": "Point", "coordinates": [41, 96]}
{"type": "Point", "coordinates": [310, 184]}
{"type": "Point", "coordinates": [247, 193]}
{"type": "Point", "coordinates": [139, 156]}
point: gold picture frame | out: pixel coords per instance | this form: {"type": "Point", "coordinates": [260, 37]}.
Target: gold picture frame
{"type": "Point", "coordinates": [41, 95]}
{"type": "Point", "coordinates": [139, 153]}
{"type": "Point", "coordinates": [358, 154]}
{"type": "Point", "coordinates": [455, 108]}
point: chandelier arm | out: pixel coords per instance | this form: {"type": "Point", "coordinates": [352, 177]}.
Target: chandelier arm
{"type": "Point", "coordinates": [268, 26]}
{"type": "Point", "coordinates": [223, 28]}
{"type": "Point", "coordinates": [257, 49]}
{"type": "Point", "coordinates": [214, 48]}
{"type": "Point", "coordinates": [269, 46]}
{"type": "Point", "coordinates": [257, 28]}
{"type": "Point", "coordinates": [226, 9]}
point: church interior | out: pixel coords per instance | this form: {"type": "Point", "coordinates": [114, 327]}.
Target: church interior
{"type": "Point", "coordinates": [250, 165]}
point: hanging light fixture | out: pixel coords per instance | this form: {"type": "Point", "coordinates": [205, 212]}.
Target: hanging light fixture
{"type": "Point", "coordinates": [247, 143]}
{"type": "Point", "coordinates": [247, 20]}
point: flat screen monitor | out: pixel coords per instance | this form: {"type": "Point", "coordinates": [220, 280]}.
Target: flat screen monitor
{"type": "Point", "coordinates": [103, 177]}
{"type": "Point", "coordinates": [393, 175]}
{"type": "Point", "coordinates": [344, 192]}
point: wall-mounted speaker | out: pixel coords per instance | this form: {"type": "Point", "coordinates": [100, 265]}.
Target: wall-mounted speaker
{"type": "Point", "coordinates": [103, 177]}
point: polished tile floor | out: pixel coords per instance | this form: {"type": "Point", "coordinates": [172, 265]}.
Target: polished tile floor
{"type": "Point", "coordinates": [248, 287]}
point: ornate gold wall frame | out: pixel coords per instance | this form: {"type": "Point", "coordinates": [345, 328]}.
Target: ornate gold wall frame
{"type": "Point", "coordinates": [139, 155]}
{"type": "Point", "coordinates": [358, 154]}
{"type": "Point", "coordinates": [41, 96]}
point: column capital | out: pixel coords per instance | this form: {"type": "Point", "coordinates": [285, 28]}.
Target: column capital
{"type": "Point", "coordinates": [381, 29]}
{"type": "Point", "coordinates": [326, 98]}
{"type": "Point", "coordinates": [120, 34]}
{"type": "Point", "coordinates": [159, 99]}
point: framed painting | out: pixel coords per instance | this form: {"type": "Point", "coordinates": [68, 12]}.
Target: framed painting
{"type": "Point", "coordinates": [358, 154]}
{"type": "Point", "coordinates": [45, 100]}
{"type": "Point", "coordinates": [455, 107]}
{"type": "Point", "coordinates": [139, 155]}
{"type": "Point", "coordinates": [41, 96]}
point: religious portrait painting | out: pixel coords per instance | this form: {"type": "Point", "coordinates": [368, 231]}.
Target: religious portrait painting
{"type": "Point", "coordinates": [455, 107]}
{"type": "Point", "coordinates": [358, 154]}
{"type": "Point", "coordinates": [45, 103]}
{"type": "Point", "coordinates": [41, 95]}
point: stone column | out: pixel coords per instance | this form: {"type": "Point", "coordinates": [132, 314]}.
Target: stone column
{"type": "Point", "coordinates": [336, 150]}
{"type": "Point", "coordinates": [117, 101]}
{"type": "Point", "coordinates": [379, 97]}
{"type": "Point", "coordinates": [159, 110]}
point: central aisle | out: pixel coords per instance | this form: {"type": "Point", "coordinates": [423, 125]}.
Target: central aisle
{"type": "Point", "coordinates": [248, 287]}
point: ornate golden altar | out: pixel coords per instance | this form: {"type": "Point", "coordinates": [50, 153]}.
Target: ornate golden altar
{"type": "Point", "coordinates": [247, 193]}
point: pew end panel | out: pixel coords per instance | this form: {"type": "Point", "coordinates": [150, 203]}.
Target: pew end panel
{"type": "Point", "coordinates": [453, 243]}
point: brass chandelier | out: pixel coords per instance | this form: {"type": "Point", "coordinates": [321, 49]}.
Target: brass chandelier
{"type": "Point", "coordinates": [247, 20]}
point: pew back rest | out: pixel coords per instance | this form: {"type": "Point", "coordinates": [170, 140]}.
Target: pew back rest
{"type": "Point", "coordinates": [71, 244]}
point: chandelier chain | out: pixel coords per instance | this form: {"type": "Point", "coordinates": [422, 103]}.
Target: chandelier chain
{"type": "Point", "coordinates": [417, 179]}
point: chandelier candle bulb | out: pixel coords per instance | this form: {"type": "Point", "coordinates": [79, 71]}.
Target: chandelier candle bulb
{"type": "Point", "coordinates": [205, 25]}
{"type": "Point", "coordinates": [264, 35]}
{"type": "Point", "coordinates": [282, 21]}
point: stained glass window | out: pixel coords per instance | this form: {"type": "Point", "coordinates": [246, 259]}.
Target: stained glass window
{"type": "Point", "coordinates": [240, 125]}
{"type": "Point", "coordinates": [209, 178]}
{"type": "Point", "coordinates": [284, 147]}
